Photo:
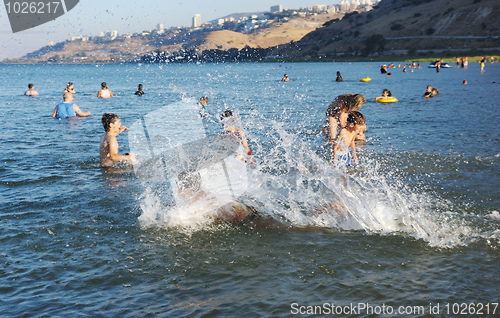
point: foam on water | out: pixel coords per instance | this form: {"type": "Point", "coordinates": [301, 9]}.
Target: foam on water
{"type": "Point", "coordinates": [298, 187]}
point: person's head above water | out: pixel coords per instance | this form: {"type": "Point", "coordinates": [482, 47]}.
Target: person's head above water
{"type": "Point", "coordinates": [108, 119]}
{"type": "Point", "coordinates": [30, 86]}
{"type": "Point", "coordinates": [139, 87]}
{"type": "Point", "coordinates": [68, 97]}
{"type": "Point", "coordinates": [356, 101]}
{"type": "Point", "coordinates": [204, 101]}
{"type": "Point", "coordinates": [356, 118]}
{"type": "Point", "coordinates": [103, 85]}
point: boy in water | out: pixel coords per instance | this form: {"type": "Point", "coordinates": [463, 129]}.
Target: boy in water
{"type": "Point", "coordinates": [428, 92]}
{"type": "Point", "coordinates": [31, 90]}
{"type": "Point", "coordinates": [139, 92]}
{"type": "Point", "coordinates": [355, 126]}
{"type": "Point", "coordinates": [108, 148]}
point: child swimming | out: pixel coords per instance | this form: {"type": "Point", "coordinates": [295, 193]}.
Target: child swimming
{"type": "Point", "coordinates": [385, 93]}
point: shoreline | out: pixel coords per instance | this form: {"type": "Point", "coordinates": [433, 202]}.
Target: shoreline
{"type": "Point", "coordinates": [476, 57]}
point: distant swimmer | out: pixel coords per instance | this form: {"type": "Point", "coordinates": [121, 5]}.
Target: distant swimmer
{"type": "Point", "coordinates": [385, 94]}
{"type": "Point", "coordinates": [31, 90]}
{"type": "Point", "coordinates": [104, 92]}
{"type": "Point", "coordinates": [339, 77]}
{"type": "Point", "coordinates": [285, 78]}
{"type": "Point", "coordinates": [342, 157]}
{"type": "Point", "coordinates": [435, 92]}
{"type": "Point", "coordinates": [465, 82]}
{"type": "Point", "coordinates": [383, 69]}
{"type": "Point", "coordinates": [482, 64]}
{"type": "Point", "coordinates": [139, 92]}
{"type": "Point", "coordinates": [389, 75]}
{"type": "Point", "coordinates": [69, 88]}
{"type": "Point", "coordinates": [67, 109]}
{"type": "Point", "coordinates": [108, 148]}
{"type": "Point", "coordinates": [428, 92]}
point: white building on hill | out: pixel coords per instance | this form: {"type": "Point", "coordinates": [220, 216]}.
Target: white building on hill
{"type": "Point", "coordinates": [196, 21]}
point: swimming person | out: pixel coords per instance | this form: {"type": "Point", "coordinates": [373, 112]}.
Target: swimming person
{"type": "Point", "coordinates": [341, 155]}
{"type": "Point", "coordinates": [385, 94]}
{"type": "Point", "coordinates": [108, 148]}
{"type": "Point", "coordinates": [104, 92]}
{"type": "Point", "coordinates": [428, 92]}
{"type": "Point", "coordinates": [337, 112]}
{"type": "Point", "coordinates": [69, 88]}
{"type": "Point", "coordinates": [339, 77]}
{"type": "Point", "coordinates": [285, 78]}
{"type": "Point", "coordinates": [31, 90]}
{"type": "Point", "coordinates": [482, 64]}
{"type": "Point", "coordinates": [139, 92]}
{"type": "Point", "coordinates": [435, 92]}
{"type": "Point", "coordinates": [67, 109]}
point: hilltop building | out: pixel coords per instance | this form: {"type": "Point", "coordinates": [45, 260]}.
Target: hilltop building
{"type": "Point", "coordinates": [160, 29]}
{"type": "Point", "coordinates": [196, 21]}
{"type": "Point", "coordinates": [277, 8]}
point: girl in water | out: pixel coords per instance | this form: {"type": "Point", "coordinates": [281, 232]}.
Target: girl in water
{"type": "Point", "coordinates": [337, 112]}
{"type": "Point", "coordinates": [342, 157]}
{"type": "Point", "coordinates": [69, 88]}
{"type": "Point", "coordinates": [385, 94]}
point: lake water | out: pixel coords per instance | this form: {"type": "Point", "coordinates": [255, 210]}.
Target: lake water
{"type": "Point", "coordinates": [75, 242]}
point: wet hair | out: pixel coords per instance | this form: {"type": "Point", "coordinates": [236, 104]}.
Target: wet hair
{"type": "Point", "coordinates": [103, 85]}
{"type": "Point", "coordinates": [189, 180]}
{"type": "Point", "coordinates": [227, 113]}
{"type": "Point", "coordinates": [204, 99]}
{"type": "Point", "coordinates": [356, 101]}
{"type": "Point", "coordinates": [107, 119]}
{"type": "Point", "coordinates": [388, 91]}
{"type": "Point", "coordinates": [69, 84]}
{"type": "Point", "coordinates": [30, 85]}
{"type": "Point", "coordinates": [355, 118]}
{"type": "Point", "coordinates": [139, 86]}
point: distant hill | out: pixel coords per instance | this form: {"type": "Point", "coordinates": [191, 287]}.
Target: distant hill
{"type": "Point", "coordinates": [133, 48]}
{"type": "Point", "coordinates": [407, 25]}
{"type": "Point", "coordinates": [392, 27]}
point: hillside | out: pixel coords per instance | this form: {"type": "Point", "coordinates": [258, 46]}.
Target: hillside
{"type": "Point", "coordinates": [408, 25]}
{"type": "Point", "coordinates": [124, 50]}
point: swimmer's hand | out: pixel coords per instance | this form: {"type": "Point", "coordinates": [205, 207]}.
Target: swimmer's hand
{"type": "Point", "coordinates": [123, 128]}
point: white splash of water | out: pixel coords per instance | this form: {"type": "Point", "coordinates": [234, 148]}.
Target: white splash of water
{"type": "Point", "coordinates": [295, 186]}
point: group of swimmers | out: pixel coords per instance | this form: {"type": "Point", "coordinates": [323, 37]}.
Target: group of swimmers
{"type": "Point", "coordinates": [108, 148]}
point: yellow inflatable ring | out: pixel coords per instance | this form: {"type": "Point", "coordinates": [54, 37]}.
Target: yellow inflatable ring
{"type": "Point", "coordinates": [366, 79]}
{"type": "Point", "coordinates": [387, 100]}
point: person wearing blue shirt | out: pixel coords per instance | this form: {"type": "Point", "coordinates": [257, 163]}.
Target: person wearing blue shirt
{"type": "Point", "coordinates": [67, 109]}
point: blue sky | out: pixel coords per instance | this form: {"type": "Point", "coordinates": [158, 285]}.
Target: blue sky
{"type": "Point", "coordinates": [90, 17]}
